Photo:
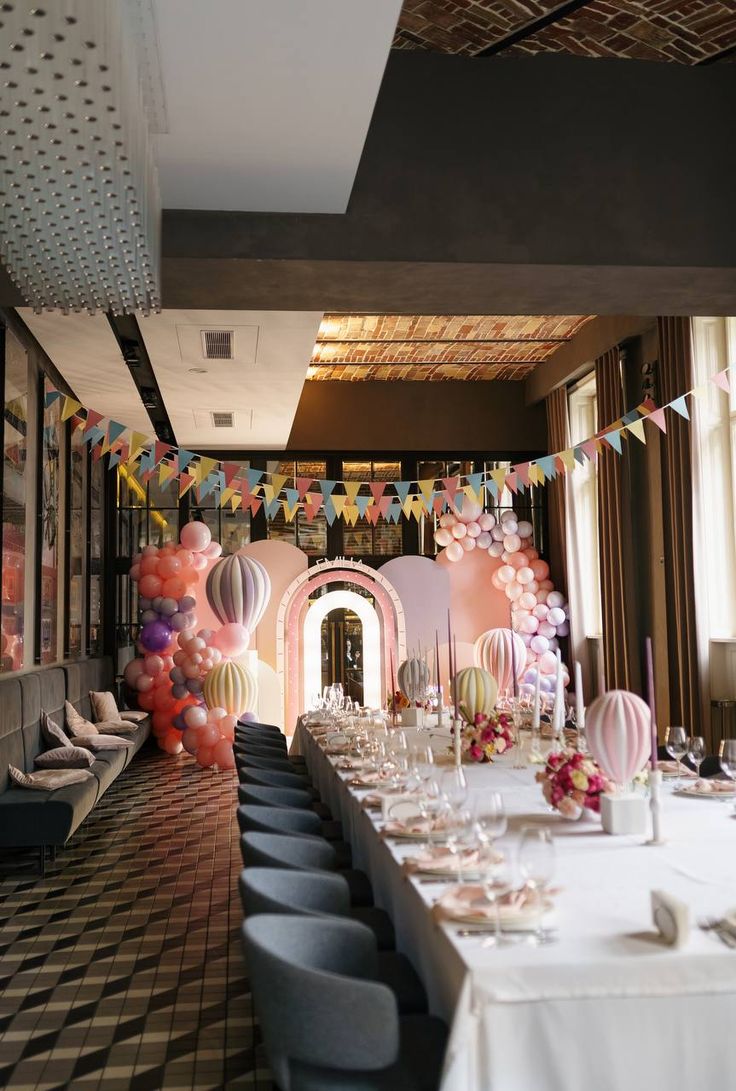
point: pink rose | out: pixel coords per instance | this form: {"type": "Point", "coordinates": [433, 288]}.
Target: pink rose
{"type": "Point", "coordinates": [567, 807]}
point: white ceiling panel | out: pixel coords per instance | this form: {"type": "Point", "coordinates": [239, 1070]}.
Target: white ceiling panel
{"type": "Point", "coordinates": [261, 389]}
{"type": "Point", "coordinates": [267, 102]}
{"type": "Point", "coordinates": [83, 348]}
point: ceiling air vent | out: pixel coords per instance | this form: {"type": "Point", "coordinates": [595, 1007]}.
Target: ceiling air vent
{"type": "Point", "coordinates": [218, 344]}
{"type": "Point", "coordinates": [223, 420]}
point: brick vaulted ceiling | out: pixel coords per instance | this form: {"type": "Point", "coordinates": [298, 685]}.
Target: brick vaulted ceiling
{"type": "Point", "coordinates": [682, 31]}
{"type": "Point", "coordinates": [437, 347]}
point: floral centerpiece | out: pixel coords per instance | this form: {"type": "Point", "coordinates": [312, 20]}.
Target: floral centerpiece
{"type": "Point", "coordinates": [484, 735]}
{"type": "Point", "coordinates": [396, 702]}
{"type": "Point", "coordinates": [571, 782]}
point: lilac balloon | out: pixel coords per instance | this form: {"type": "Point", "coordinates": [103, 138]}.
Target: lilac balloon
{"type": "Point", "coordinates": [530, 677]}
{"type": "Point", "coordinates": [179, 692]}
{"type": "Point", "coordinates": [247, 718]}
{"type": "Point", "coordinates": [187, 604]}
{"type": "Point", "coordinates": [156, 603]}
{"type": "Point", "coordinates": [179, 622]}
{"type": "Point", "coordinates": [155, 636]}
{"type": "Point", "coordinates": [144, 604]}
{"type": "Point", "coordinates": [206, 635]}
{"type": "Point", "coordinates": [177, 676]}
{"type": "Point", "coordinates": [168, 607]}
{"type": "Point", "coordinates": [194, 686]}
{"type": "Point", "coordinates": [178, 722]}
{"type": "Point", "coordinates": [148, 615]}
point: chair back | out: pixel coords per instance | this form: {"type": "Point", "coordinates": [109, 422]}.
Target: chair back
{"type": "Point", "coordinates": [280, 890]}
{"type": "Point", "coordinates": [274, 778]}
{"type": "Point", "coordinates": [284, 850]}
{"type": "Point", "coordinates": [258, 796]}
{"type": "Point", "coordinates": [314, 997]}
{"type": "Point", "coordinates": [255, 761]}
{"type": "Point", "coordinates": [278, 820]}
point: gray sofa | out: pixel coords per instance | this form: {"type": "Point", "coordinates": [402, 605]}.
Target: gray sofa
{"type": "Point", "coordinates": [33, 819]}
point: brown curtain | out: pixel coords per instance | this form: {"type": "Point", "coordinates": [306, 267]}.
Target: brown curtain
{"type": "Point", "coordinates": [675, 375]}
{"type": "Point", "coordinates": [558, 439]}
{"type": "Point", "coordinates": [616, 605]}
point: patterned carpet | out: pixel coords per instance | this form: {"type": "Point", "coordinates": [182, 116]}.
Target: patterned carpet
{"type": "Point", "coordinates": [122, 969]}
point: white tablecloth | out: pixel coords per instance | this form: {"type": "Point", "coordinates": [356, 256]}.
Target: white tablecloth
{"type": "Point", "coordinates": [607, 1008]}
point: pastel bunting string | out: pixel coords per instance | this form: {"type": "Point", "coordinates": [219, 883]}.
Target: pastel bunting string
{"type": "Point", "coordinates": [235, 485]}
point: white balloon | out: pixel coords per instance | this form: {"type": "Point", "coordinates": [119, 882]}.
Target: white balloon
{"type": "Point", "coordinates": [540, 611]}
{"type": "Point", "coordinates": [496, 549]}
{"type": "Point", "coordinates": [512, 543]}
{"type": "Point", "coordinates": [514, 590]}
{"type": "Point", "coordinates": [528, 601]}
{"type": "Point", "coordinates": [511, 526]}
{"type": "Point", "coordinates": [545, 629]}
{"type": "Point", "coordinates": [498, 534]}
{"type": "Point", "coordinates": [468, 543]}
{"type": "Point", "coordinates": [556, 616]}
{"type": "Point", "coordinates": [473, 529]}
{"type": "Point", "coordinates": [506, 573]}
{"type": "Point", "coordinates": [564, 629]}
{"type": "Point", "coordinates": [487, 521]}
{"type": "Point", "coordinates": [532, 586]}
{"type": "Point", "coordinates": [539, 644]}
{"type": "Point", "coordinates": [443, 536]}
{"type": "Point", "coordinates": [524, 575]}
{"type": "Point", "coordinates": [555, 598]}
{"type": "Point", "coordinates": [508, 516]}
{"type": "Point", "coordinates": [454, 551]}
{"type": "Point", "coordinates": [459, 530]}
{"type": "Point", "coordinates": [483, 540]}
{"type": "Point", "coordinates": [525, 529]}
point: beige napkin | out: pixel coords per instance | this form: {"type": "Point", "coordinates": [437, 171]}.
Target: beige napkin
{"type": "Point", "coordinates": [441, 859]}
{"type": "Point", "coordinates": [669, 769]}
{"type": "Point", "coordinates": [714, 787]}
{"type": "Point", "coordinates": [365, 780]}
{"type": "Point", "coordinates": [520, 909]}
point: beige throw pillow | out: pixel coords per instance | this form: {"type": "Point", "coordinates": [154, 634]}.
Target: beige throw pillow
{"type": "Point", "coordinates": [52, 734]}
{"type": "Point", "coordinates": [113, 727]}
{"type": "Point", "coordinates": [75, 722]}
{"type": "Point", "coordinates": [136, 716]}
{"type": "Point", "coordinates": [101, 742]}
{"type": "Point", "coordinates": [104, 706]}
{"type": "Point", "coordinates": [65, 757]}
{"type": "Point", "coordinates": [48, 780]}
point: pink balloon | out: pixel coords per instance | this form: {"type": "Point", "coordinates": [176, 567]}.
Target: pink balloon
{"type": "Point", "coordinates": [144, 683]}
{"type": "Point", "coordinates": [618, 729]}
{"type": "Point", "coordinates": [459, 530]}
{"type": "Point", "coordinates": [213, 550]}
{"type": "Point", "coordinates": [232, 639]}
{"type": "Point", "coordinates": [546, 585]}
{"type": "Point", "coordinates": [506, 573]}
{"type": "Point", "coordinates": [216, 714]}
{"type": "Point", "coordinates": [487, 521]}
{"type": "Point", "coordinates": [154, 664]}
{"type": "Point", "coordinates": [539, 644]}
{"type": "Point", "coordinates": [223, 754]}
{"type": "Point", "coordinates": [447, 520]}
{"type": "Point", "coordinates": [511, 543]}
{"type": "Point", "coordinates": [135, 572]}
{"type": "Point", "coordinates": [473, 529]}
{"type": "Point", "coordinates": [546, 629]}
{"type": "Point", "coordinates": [195, 537]}
{"type": "Point", "coordinates": [134, 670]}
{"type": "Point", "coordinates": [190, 740]}
{"type": "Point", "coordinates": [442, 537]}
{"type": "Point", "coordinates": [540, 569]}
{"type": "Point", "coordinates": [454, 551]}
{"type": "Point", "coordinates": [517, 560]}
{"type": "Point", "coordinates": [149, 586]}
{"type": "Point", "coordinates": [531, 553]}
{"type": "Point", "coordinates": [525, 528]}
{"type": "Point", "coordinates": [496, 582]}
{"type": "Point", "coordinates": [205, 756]}
{"type": "Point", "coordinates": [468, 544]}
{"type": "Point", "coordinates": [483, 540]}
{"type": "Point", "coordinates": [540, 610]}
{"type": "Point", "coordinates": [495, 549]}
{"type": "Point", "coordinates": [149, 565]}
{"type": "Point", "coordinates": [209, 735]}
{"type": "Point", "coordinates": [471, 511]}
{"type": "Point", "coordinates": [554, 598]}
{"type": "Point", "coordinates": [528, 624]}
{"type": "Point", "coordinates": [514, 590]}
{"type": "Point", "coordinates": [172, 743]}
{"type": "Point", "coordinates": [199, 562]}
{"type": "Point", "coordinates": [532, 586]}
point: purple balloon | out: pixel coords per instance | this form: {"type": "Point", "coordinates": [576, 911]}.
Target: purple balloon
{"type": "Point", "coordinates": [179, 622]}
{"type": "Point", "coordinates": [247, 718]}
{"type": "Point", "coordinates": [144, 604]}
{"type": "Point", "coordinates": [178, 722]}
{"type": "Point", "coordinates": [168, 607]}
{"type": "Point", "coordinates": [194, 685]}
{"type": "Point", "coordinates": [187, 604]}
{"type": "Point", "coordinates": [156, 603]}
{"type": "Point", "coordinates": [148, 615]}
{"type": "Point", "coordinates": [155, 636]}
{"type": "Point", "coordinates": [179, 692]}
{"type": "Point", "coordinates": [177, 676]}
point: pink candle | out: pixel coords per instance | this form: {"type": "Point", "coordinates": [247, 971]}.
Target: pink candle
{"type": "Point", "coordinates": [513, 652]}
{"type": "Point", "coordinates": [651, 699]}
{"type": "Point", "coordinates": [437, 659]}
{"type": "Point", "coordinates": [393, 687]}
{"type": "Point", "coordinates": [454, 665]}
{"type": "Point", "coordinates": [449, 649]}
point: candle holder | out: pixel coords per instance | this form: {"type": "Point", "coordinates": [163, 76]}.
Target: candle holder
{"type": "Point", "coordinates": [655, 806]}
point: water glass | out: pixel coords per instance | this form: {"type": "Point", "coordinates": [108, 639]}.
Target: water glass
{"type": "Point", "coordinates": [676, 743]}
{"type": "Point", "coordinates": [490, 817]}
{"type": "Point", "coordinates": [727, 757]}
{"type": "Point", "coordinates": [497, 883]}
{"type": "Point", "coordinates": [696, 751]}
{"type": "Point", "coordinates": [537, 865]}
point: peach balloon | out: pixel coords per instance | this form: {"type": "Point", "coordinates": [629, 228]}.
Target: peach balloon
{"type": "Point", "coordinates": [232, 639]}
{"type": "Point", "coordinates": [454, 551]}
{"type": "Point", "coordinates": [149, 565]}
{"type": "Point", "coordinates": [223, 755]}
{"type": "Point", "coordinates": [169, 566]}
{"type": "Point", "coordinates": [540, 569]}
{"type": "Point", "coordinates": [209, 735]}
{"type": "Point", "coordinates": [205, 756]}
{"type": "Point", "coordinates": [447, 520]}
{"type": "Point", "coordinates": [459, 530]}
{"type": "Point", "coordinates": [517, 560]}
{"type": "Point", "coordinates": [149, 586]}
{"type": "Point", "coordinates": [199, 563]}
{"type": "Point", "coordinates": [174, 588]}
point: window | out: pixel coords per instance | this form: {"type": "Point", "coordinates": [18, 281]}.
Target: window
{"type": "Point", "coordinates": [582, 510]}
{"type": "Point", "coordinates": [50, 506]}
{"type": "Point", "coordinates": [714, 466]}
{"type": "Point", "coordinates": [97, 471]}
{"type": "Point", "coordinates": [300, 532]}
{"type": "Point", "coordinates": [365, 540]}
{"type": "Point", "coordinates": [76, 552]}
{"type": "Point", "coordinates": [15, 483]}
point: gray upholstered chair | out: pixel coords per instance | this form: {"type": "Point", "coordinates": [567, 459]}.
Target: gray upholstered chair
{"type": "Point", "coordinates": [327, 1023]}
{"type": "Point", "coordinates": [259, 726]}
{"type": "Point", "coordinates": [293, 821]}
{"type": "Point", "coordinates": [277, 890]}
{"type": "Point", "coordinates": [301, 853]}
{"type": "Point", "coordinates": [273, 797]}
{"type": "Point", "coordinates": [268, 761]}
{"type": "Point", "coordinates": [265, 750]}
{"type": "Point", "coordinates": [276, 778]}
{"type": "Point", "coordinates": [260, 779]}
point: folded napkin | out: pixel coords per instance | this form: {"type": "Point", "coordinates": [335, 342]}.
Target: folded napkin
{"type": "Point", "coordinates": [669, 769]}
{"type": "Point", "coordinates": [519, 909]}
{"type": "Point", "coordinates": [440, 859]}
{"type": "Point", "coordinates": [415, 827]}
{"type": "Point", "coordinates": [348, 765]}
{"type": "Point", "coordinates": [365, 780]}
{"type": "Point", "coordinates": [714, 787]}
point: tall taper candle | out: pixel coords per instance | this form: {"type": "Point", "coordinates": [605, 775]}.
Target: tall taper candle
{"type": "Point", "coordinates": [437, 659]}
{"type": "Point", "coordinates": [556, 711]}
{"type": "Point", "coordinates": [514, 683]}
{"type": "Point", "coordinates": [454, 667]}
{"type": "Point", "coordinates": [393, 689]}
{"type": "Point", "coordinates": [537, 695]}
{"type": "Point", "coordinates": [579, 702]}
{"type": "Point", "coordinates": [652, 700]}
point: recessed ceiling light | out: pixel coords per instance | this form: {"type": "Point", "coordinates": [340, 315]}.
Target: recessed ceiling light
{"type": "Point", "coordinates": [198, 370]}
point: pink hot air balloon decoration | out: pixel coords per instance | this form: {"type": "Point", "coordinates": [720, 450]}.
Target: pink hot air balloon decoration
{"type": "Point", "coordinates": [492, 652]}
{"type": "Point", "coordinates": [618, 727]}
{"type": "Point", "coordinates": [238, 590]}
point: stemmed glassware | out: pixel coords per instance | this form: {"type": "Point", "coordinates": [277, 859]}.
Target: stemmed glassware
{"type": "Point", "coordinates": [497, 882]}
{"type": "Point", "coordinates": [460, 835]}
{"type": "Point", "coordinates": [454, 786]}
{"type": "Point", "coordinates": [727, 757]}
{"type": "Point", "coordinates": [490, 817]}
{"type": "Point", "coordinates": [696, 751]}
{"type": "Point", "coordinates": [537, 866]}
{"type": "Point", "coordinates": [676, 743]}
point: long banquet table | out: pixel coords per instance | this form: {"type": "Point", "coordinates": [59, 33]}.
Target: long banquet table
{"type": "Point", "coordinates": [608, 1007]}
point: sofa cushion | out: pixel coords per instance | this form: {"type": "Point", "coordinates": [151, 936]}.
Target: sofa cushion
{"type": "Point", "coordinates": [76, 723]}
{"type": "Point", "coordinates": [47, 780]}
{"type": "Point", "coordinates": [135, 716]}
{"type": "Point", "coordinates": [101, 742]}
{"type": "Point", "coordinates": [65, 757]}
{"type": "Point", "coordinates": [53, 735]}
{"type": "Point", "coordinates": [104, 706]}
{"type": "Point", "coordinates": [45, 818]}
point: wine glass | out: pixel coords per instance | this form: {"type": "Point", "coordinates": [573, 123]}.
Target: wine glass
{"type": "Point", "coordinates": [454, 786]}
{"type": "Point", "coordinates": [431, 805]}
{"type": "Point", "coordinates": [537, 866]}
{"type": "Point", "coordinates": [676, 743]}
{"type": "Point", "coordinates": [490, 817]}
{"type": "Point", "coordinates": [459, 825]}
{"type": "Point", "coordinates": [497, 883]}
{"type": "Point", "coordinates": [696, 751]}
{"type": "Point", "coordinates": [727, 757]}
{"type": "Point", "coordinates": [421, 762]}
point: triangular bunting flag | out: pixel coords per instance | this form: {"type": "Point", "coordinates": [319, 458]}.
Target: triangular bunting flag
{"type": "Point", "coordinates": [51, 397]}
{"type": "Point", "coordinates": [185, 483]}
{"type": "Point", "coordinates": [657, 415]}
{"type": "Point", "coordinates": [362, 503]}
{"type": "Point", "coordinates": [568, 458]}
{"type": "Point", "coordinates": [352, 488]}
{"type": "Point", "coordinates": [402, 489]}
{"type": "Point", "coordinates": [511, 482]}
{"type": "Point", "coordinates": [377, 489]}
{"type": "Point", "coordinates": [475, 481]}
{"type": "Point", "coordinates": [254, 477]}
{"type": "Point", "coordinates": [302, 486]}
{"type": "Point", "coordinates": [327, 487]}
{"type": "Point", "coordinates": [160, 451]}
{"type": "Point", "coordinates": [426, 488]}
{"type": "Point", "coordinates": [183, 458]}
{"type": "Point", "coordinates": [114, 431]}
{"type": "Point", "coordinates": [547, 466]}
{"type": "Point", "coordinates": [70, 407]}
{"type": "Point", "coordinates": [721, 380]}
{"type": "Point", "coordinates": [614, 439]}
{"type": "Point", "coordinates": [350, 514]}
{"type": "Point", "coordinates": [329, 507]}
{"type": "Point", "coordinates": [230, 470]}
{"type": "Point", "coordinates": [338, 501]}
{"type": "Point", "coordinates": [637, 429]}
{"type": "Point", "coordinates": [272, 509]}
{"type": "Point", "coordinates": [680, 406]}
{"type": "Point", "coordinates": [522, 472]}
{"type": "Point", "coordinates": [394, 512]}
{"type": "Point", "coordinates": [499, 478]}
{"type": "Point", "coordinates": [277, 482]}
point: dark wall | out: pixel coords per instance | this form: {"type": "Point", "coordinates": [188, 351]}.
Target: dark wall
{"type": "Point", "coordinates": [417, 416]}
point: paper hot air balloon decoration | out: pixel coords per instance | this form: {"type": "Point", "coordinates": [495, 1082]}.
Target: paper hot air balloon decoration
{"type": "Point", "coordinates": [230, 686]}
{"type": "Point", "coordinates": [476, 692]}
{"type": "Point", "coordinates": [238, 590]}
{"type": "Point", "coordinates": [493, 652]}
{"type": "Point", "coordinates": [618, 728]}
{"type": "Point", "coordinates": [413, 679]}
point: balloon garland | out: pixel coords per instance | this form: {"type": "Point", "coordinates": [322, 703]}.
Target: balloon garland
{"type": "Point", "coordinates": [539, 613]}
{"type": "Point", "coordinates": [187, 678]}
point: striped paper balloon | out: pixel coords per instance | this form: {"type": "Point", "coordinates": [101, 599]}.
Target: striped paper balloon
{"type": "Point", "coordinates": [492, 652]}
{"type": "Point", "coordinates": [618, 727]}
{"type": "Point", "coordinates": [238, 590]}
{"type": "Point", "coordinates": [476, 690]}
{"type": "Point", "coordinates": [413, 678]}
{"type": "Point", "coordinates": [230, 686]}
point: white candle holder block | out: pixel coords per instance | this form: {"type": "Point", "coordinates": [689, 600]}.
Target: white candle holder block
{"type": "Point", "coordinates": [627, 813]}
{"type": "Point", "coordinates": [412, 717]}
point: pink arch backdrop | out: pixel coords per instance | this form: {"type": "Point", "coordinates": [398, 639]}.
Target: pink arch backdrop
{"type": "Point", "coordinates": [290, 624]}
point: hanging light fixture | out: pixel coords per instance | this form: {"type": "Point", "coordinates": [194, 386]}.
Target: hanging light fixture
{"type": "Point", "coordinates": [79, 202]}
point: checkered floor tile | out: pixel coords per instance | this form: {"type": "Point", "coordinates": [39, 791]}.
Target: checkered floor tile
{"type": "Point", "coordinates": [122, 969]}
